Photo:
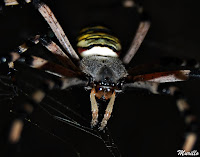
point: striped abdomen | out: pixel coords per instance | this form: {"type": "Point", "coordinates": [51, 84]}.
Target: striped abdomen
{"type": "Point", "coordinates": [98, 40]}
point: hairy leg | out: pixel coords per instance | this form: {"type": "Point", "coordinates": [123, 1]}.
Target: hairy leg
{"type": "Point", "coordinates": [94, 108]}
{"type": "Point", "coordinates": [56, 28]}
{"type": "Point", "coordinates": [108, 112]}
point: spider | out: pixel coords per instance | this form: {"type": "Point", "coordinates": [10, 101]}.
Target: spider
{"type": "Point", "coordinates": [106, 78]}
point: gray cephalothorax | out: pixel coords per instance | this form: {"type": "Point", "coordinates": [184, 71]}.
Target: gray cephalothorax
{"type": "Point", "coordinates": [101, 67]}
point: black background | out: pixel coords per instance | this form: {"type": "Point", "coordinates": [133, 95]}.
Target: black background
{"type": "Point", "coordinates": [142, 124]}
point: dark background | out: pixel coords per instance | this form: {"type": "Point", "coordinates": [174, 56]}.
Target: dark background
{"type": "Point", "coordinates": [142, 124]}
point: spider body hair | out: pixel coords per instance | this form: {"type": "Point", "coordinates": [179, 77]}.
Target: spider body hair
{"type": "Point", "coordinates": [103, 69]}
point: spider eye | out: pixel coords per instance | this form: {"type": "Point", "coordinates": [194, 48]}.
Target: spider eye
{"type": "Point", "coordinates": [100, 89]}
{"type": "Point", "coordinates": [113, 84]}
{"type": "Point", "coordinates": [108, 90]}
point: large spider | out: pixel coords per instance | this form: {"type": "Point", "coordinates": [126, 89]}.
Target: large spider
{"type": "Point", "coordinates": [105, 80]}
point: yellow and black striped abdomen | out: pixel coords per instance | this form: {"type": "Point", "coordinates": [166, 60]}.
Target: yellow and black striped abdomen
{"type": "Point", "coordinates": [98, 40]}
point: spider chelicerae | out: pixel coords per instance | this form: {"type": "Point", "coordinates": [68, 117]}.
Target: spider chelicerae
{"type": "Point", "coordinates": [105, 80]}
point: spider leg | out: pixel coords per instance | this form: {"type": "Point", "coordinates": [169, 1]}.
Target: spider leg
{"type": "Point", "coordinates": [6, 3]}
{"type": "Point", "coordinates": [10, 2]}
{"type": "Point", "coordinates": [57, 51]}
{"type": "Point", "coordinates": [108, 112]}
{"type": "Point", "coordinates": [57, 29]}
{"type": "Point", "coordinates": [167, 69]}
{"type": "Point", "coordinates": [128, 3]}
{"type": "Point", "coordinates": [18, 123]}
{"type": "Point", "coordinates": [44, 83]}
{"type": "Point", "coordinates": [141, 32]}
{"type": "Point", "coordinates": [14, 2]}
{"type": "Point", "coordinates": [169, 76]}
{"type": "Point", "coordinates": [15, 54]}
{"type": "Point", "coordinates": [94, 108]}
{"type": "Point", "coordinates": [50, 45]}
{"type": "Point", "coordinates": [40, 63]}
{"type": "Point", "coordinates": [182, 105]}
{"type": "Point", "coordinates": [50, 67]}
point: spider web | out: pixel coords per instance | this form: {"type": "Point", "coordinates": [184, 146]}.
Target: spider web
{"type": "Point", "coordinates": [104, 136]}
{"type": "Point", "coordinates": [59, 112]}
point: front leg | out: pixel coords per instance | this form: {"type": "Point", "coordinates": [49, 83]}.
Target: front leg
{"type": "Point", "coordinates": [94, 108]}
{"type": "Point", "coordinates": [108, 112]}
{"type": "Point", "coordinates": [48, 15]}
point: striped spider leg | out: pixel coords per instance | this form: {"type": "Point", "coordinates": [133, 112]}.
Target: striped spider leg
{"type": "Point", "coordinates": [56, 28]}
{"type": "Point", "coordinates": [155, 83]}
{"type": "Point", "coordinates": [38, 63]}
